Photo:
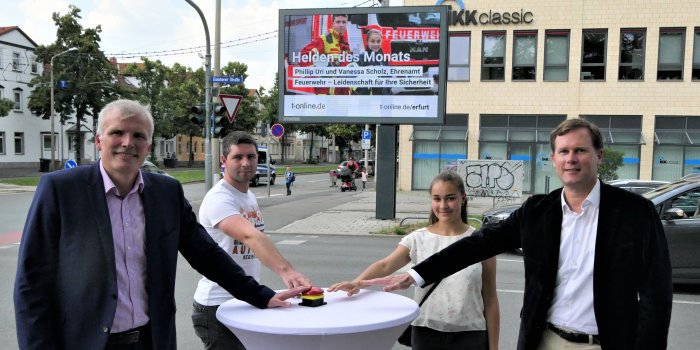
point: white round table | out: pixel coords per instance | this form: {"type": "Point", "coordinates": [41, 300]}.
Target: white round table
{"type": "Point", "coordinates": [366, 321]}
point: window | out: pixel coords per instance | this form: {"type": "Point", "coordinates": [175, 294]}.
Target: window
{"type": "Point", "coordinates": [458, 65]}
{"type": "Point", "coordinates": [15, 61]}
{"type": "Point", "coordinates": [593, 54]}
{"type": "Point", "coordinates": [696, 55]}
{"type": "Point", "coordinates": [671, 54]}
{"type": "Point", "coordinates": [18, 99]}
{"type": "Point", "coordinates": [35, 66]}
{"type": "Point", "coordinates": [622, 133]}
{"type": "Point", "coordinates": [493, 56]}
{"type": "Point", "coordinates": [46, 142]}
{"type": "Point", "coordinates": [2, 142]}
{"type": "Point", "coordinates": [632, 42]}
{"type": "Point", "coordinates": [556, 55]}
{"type": "Point", "coordinates": [676, 151]}
{"type": "Point", "coordinates": [19, 143]}
{"type": "Point", "coordinates": [524, 55]}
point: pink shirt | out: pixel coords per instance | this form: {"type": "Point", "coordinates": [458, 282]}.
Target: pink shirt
{"type": "Point", "coordinates": [128, 232]}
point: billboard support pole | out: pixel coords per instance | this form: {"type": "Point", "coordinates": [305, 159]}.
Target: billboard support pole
{"type": "Point", "coordinates": [385, 172]}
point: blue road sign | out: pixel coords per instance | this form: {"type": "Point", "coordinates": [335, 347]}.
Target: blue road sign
{"type": "Point", "coordinates": [62, 84]}
{"type": "Point", "coordinates": [227, 79]}
{"type": "Point", "coordinates": [277, 130]}
{"type": "Point", "coordinates": [70, 164]}
{"type": "Point", "coordinates": [366, 134]}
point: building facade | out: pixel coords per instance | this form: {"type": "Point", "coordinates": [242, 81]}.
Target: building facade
{"type": "Point", "coordinates": [516, 69]}
{"type": "Point", "coordinates": [24, 137]}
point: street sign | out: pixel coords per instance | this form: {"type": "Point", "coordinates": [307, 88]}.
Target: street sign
{"type": "Point", "coordinates": [62, 84]}
{"type": "Point", "coordinates": [366, 138]}
{"type": "Point", "coordinates": [277, 130]}
{"type": "Point", "coordinates": [227, 79]}
{"type": "Point", "coordinates": [231, 102]}
{"type": "Point", "coordinates": [70, 164]}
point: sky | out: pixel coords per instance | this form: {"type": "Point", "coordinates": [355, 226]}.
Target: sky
{"type": "Point", "coordinates": [160, 28]}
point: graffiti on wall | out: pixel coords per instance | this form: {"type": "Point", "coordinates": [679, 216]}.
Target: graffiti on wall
{"type": "Point", "coordinates": [492, 178]}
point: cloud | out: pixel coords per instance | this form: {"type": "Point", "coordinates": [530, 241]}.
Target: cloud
{"type": "Point", "coordinates": [166, 26]}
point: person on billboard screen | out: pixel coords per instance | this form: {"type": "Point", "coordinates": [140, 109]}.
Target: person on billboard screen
{"type": "Point", "coordinates": [329, 50]}
{"type": "Point", "coordinates": [373, 56]}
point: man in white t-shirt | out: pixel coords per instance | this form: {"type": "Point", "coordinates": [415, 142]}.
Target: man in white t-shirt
{"type": "Point", "coordinates": [231, 215]}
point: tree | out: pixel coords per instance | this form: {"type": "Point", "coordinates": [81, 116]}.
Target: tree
{"type": "Point", "coordinates": [344, 135]}
{"type": "Point", "coordinates": [152, 77]}
{"type": "Point", "coordinates": [89, 75]}
{"type": "Point", "coordinates": [5, 107]}
{"type": "Point", "coordinates": [612, 160]}
{"type": "Point", "coordinates": [248, 115]}
{"type": "Point", "coordinates": [185, 89]}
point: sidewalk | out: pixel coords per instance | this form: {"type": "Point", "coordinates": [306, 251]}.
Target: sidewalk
{"type": "Point", "coordinates": [357, 217]}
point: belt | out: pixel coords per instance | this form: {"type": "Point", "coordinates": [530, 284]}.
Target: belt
{"type": "Point", "coordinates": [127, 337]}
{"type": "Point", "coordinates": [575, 337]}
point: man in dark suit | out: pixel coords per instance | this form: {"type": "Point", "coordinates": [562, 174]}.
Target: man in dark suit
{"type": "Point", "coordinates": [99, 249]}
{"type": "Point", "coordinates": [597, 268]}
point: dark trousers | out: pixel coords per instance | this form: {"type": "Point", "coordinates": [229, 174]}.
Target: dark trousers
{"type": "Point", "coordinates": [289, 188]}
{"type": "Point", "coordinates": [424, 338]}
{"type": "Point", "coordinates": [129, 340]}
{"type": "Point", "coordinates": [213, 333]}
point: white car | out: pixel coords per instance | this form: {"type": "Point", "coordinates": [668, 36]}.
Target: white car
{"type": "Point", "coordinates": [149, 167]}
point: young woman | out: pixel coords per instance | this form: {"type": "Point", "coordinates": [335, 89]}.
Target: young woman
{"type": "Point", "coordinates": [373, 56]}
{"type": "Point", "coordinates": [462, 312]}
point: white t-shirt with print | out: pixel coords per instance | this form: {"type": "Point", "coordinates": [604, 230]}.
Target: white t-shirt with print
{"type": "Point", "coordinates": [456, 305]}
{"type": "Point", "coordinates": [221, 202]}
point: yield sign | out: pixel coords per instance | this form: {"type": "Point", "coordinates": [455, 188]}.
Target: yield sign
{"type": "Point", "coordinates": [231, 103]}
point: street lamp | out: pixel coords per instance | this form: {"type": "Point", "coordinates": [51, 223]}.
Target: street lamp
{"type": "Point", "coordinates": [53, 111]}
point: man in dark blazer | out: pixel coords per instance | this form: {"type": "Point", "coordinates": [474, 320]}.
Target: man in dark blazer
{"type": "Point", "coordinates": [99, 249]}
{"type": "Point", "coordinates": [597, 268]}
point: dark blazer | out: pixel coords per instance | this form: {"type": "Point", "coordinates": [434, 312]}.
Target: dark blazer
{"type": "Point", "coordinates": [632, 288]}
{"type": "Point", "coordinates": [65, 289]}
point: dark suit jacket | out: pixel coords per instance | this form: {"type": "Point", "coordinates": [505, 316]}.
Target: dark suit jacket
{"type": "Point", "coordinates": [65, 289]}
{"type": "Point", "coordinates": [632, 288]}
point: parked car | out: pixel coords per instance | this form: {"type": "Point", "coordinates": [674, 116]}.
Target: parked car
{"type": "Point", "coordinates": [370, 169]}
{"type": "Point", "coordinates": [261, 175]}
{"type": "Point", "coordinates": [499, 214]}
{"type": "Point", "coordinates": [149, 167]}
{"type": "Point", "coordinates": [677, 205]}
{"type": "Point", "coordinates": [261, 172]}
{"type": "Point", "coordinates": [637, 186]}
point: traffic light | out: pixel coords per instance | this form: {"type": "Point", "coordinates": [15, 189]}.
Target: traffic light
{"type": "Point", "coordinates": [220, 119]}
{"type": "Point", "coordinates": [198, 117]}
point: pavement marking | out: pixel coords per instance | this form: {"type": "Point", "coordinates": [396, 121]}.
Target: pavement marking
{"type": "Point", "coordinates": [292, 241]}
{"type": "Point", "coordinates": [686, 302]}
{"type": "Point", "coordinates": [509, 260]}
{"type": "Point", "coordinates": [272, 195]}
{"type": "Point", "coordinates": [317, 180]}
{"type": "Point", "coordinates": [307, 236]}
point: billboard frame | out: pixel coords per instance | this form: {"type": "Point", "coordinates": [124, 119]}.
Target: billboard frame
{"type": "Point", "coordinates": [437, 119]}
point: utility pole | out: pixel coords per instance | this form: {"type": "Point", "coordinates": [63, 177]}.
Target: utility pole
{"type": "Point", "coordinates": [207, 103]}
{"type": "Point", "coordinates": [53, 112]}
{"type": "Point", "coordinates": [217, 71]}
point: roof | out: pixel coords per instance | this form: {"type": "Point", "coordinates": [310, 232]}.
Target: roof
{"type": "Point", "coordinates": [8, 29]}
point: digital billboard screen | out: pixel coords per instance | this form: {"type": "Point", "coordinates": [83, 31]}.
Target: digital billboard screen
{"type": "Point", "coordinates": [363, 65]}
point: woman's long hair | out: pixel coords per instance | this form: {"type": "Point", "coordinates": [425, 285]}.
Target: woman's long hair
{"type": "Point", "coordinates": [452, 177]}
